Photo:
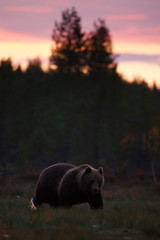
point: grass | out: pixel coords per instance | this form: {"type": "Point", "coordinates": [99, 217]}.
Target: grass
{"type": "Point", "coordinates": [130, 212]}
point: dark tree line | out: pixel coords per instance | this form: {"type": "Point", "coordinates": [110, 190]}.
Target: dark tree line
{"type": "Point", "coordinates": [83, 111]}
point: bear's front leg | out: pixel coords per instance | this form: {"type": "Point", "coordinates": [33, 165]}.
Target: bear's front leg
{"type": "Point", "coordinates": [96, 201]}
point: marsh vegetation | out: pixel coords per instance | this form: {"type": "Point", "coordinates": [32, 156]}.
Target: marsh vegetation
{"type": "Point", "coordinates": [130, 212]}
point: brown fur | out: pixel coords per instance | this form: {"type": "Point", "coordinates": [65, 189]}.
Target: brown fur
{"type": "Point", "coordinates": [67, 184]}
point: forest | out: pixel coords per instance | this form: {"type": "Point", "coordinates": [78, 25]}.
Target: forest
{"type": "Point", "coordinates": [81, 110]}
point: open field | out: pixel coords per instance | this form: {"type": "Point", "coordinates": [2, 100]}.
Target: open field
{"type": "Point", "coordinates": [130, 212]}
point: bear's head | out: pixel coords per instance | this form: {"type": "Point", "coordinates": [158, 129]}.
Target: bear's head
{"type": "Point", "coordinates": [91, 180]}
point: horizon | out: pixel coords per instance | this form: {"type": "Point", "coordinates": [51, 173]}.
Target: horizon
{"type": "Point", "coordinates": [26, 28]}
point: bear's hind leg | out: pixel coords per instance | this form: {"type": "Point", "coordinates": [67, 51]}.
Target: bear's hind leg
{"type": "Point", "coordinates": [32, 206]}
{"type": "Point", "coordinates": [34, 203]}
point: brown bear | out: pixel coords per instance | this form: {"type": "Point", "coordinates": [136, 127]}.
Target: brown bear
{"type": "Point", "coordinates": [64, 185]}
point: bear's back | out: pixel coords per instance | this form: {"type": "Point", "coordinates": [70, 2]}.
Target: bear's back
{"type": "Point", "coordinates": [54, 173]}
{"type": "Point", "coordinates": [49, 179]}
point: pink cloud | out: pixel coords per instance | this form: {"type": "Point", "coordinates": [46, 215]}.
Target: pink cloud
{"type": "Point", "coordinates": [6, 35]}
{"type": "Point", "coordinates": [137, 34]}
{"type": "Point", "coordinates": [27, 9]}
{"type": "Point", "coordinates": [128, 17]}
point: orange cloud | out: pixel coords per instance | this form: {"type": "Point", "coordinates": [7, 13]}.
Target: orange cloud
{"type": "Point", "coordinates": [137, 48]}
{"type": "Point", "coordinates": [141, 70]}
{"type": "Point", "coordinates": [19, 50]}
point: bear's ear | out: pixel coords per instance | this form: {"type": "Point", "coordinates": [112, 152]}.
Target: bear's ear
{"type": "Point", "coordinates": [87, 170]}
{"type": "Point", "coordinates": [100, 170]}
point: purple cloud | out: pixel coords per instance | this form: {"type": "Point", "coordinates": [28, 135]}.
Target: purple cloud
{"type": "Point", "coordinates": [28, 9]}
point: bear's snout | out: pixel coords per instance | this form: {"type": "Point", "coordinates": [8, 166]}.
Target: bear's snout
{"type": "Point", "coordinates": [95, 188]}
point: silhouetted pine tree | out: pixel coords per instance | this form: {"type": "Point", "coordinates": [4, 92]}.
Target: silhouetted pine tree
{"type": "Point", "coordinates": [68, 39]}
{"type": "Point", "coordinates": [100, 58]}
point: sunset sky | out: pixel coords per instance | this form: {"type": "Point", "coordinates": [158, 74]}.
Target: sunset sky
{"type": "Point", "coordinates": [26, 28]}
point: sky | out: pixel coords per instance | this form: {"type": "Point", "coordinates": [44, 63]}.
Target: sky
{"type": "Point", "coordinates": [26, 29]}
